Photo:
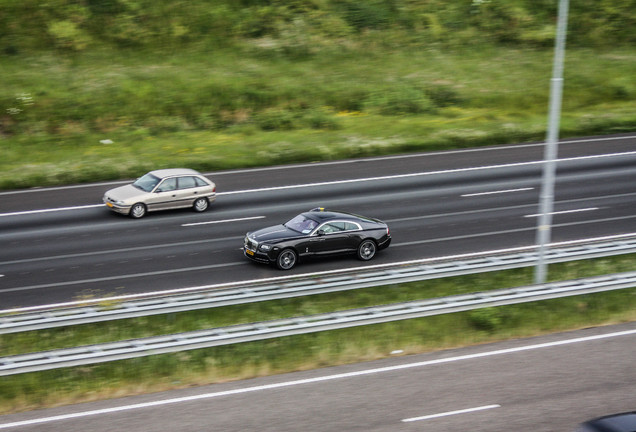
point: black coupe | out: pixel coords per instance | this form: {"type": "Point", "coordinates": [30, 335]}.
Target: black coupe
{"type": "Point", "coordinates": [623, 422]}
{"type": "Point", "coordinates": [315, 233]}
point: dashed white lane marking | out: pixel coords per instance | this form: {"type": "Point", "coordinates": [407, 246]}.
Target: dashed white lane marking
{"type": "Point", "coordinates": [319, 379]}
{"type": "Point", "coordinates": [565, 212]}
{"type": "Point", "coordinates": [222, 221]}
{"type": "Point", "coordinates": [497, 192]}
{"type": "Point", "coordinates": [450, 413]}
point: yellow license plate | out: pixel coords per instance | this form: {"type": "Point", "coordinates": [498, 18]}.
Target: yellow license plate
{"type": "Point", "coordinates": [249, 252]}
{"type": "Point", "coordinates": [109, 204]}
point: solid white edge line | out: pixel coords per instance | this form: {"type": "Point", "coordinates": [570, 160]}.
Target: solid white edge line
{"type": "Point", "coordinates": [450, 413]}
{"type": "Point", "coordinates": [497, 192]}
{"type": "Point", "coordinates": [222, 221]}
{"type": "Point", "coordinates": [360, 180]}
{"type": "Point", "coordinates": [313, 274]}
{"type": "Point", "coordinates": [565, 212]}
{"type": "Point", "coordinates": [338, 162]}
{"type": "Point", "coordinates": [422, 174]}
{"type": "Point", "coordinates": [324, 378]}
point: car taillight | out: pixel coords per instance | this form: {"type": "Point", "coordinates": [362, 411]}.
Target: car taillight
{"type": "Point", "coordinates": [387, 230]}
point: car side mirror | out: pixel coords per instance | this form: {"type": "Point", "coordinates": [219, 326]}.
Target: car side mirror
{"type": "Point", "coordinates": [321, 232]}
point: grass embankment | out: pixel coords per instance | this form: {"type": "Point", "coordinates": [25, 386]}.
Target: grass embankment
{"type": "Point", "coordinates": [294, 353]}
{"type": "Point", "coordinates": [104, 114]}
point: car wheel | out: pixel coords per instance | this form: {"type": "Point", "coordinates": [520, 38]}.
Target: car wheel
{"type": "Point", "coordinates": [286, 259]}
{"type": "Point", "coordinates": [201, 204]}
{"type": "Point", "coordinates": [138, 211]}
{"type": "Point", "coordinates": [366, 250]}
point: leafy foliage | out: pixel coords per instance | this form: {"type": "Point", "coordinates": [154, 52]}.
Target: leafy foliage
{"type": "Point", "coordinates": [74, 25]}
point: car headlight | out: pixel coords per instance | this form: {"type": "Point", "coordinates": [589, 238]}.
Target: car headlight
{"type": "Point", "coordinates": [265, 247]}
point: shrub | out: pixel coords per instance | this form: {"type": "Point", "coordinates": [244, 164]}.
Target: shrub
{"type": "Point", "coordinates": [400, 100]}
{"type": "Point", "coordinates": [487, 319]}
{"type": "Point", "coordinates": [67, 36]}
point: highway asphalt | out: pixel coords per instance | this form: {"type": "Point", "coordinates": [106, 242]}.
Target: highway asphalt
{"type": "Point", "coordinates": [544, 384]}
{"type": "Point", "coordinates": [61, 244]}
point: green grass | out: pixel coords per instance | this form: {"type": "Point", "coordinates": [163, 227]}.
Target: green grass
{"type": "Point", "coordinates": [293, 353]}
{"type": "Point", "coordinates": [255, 108]}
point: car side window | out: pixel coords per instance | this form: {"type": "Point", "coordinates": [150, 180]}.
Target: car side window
{"type": "Point", "coordinates": [187, 182]}
{"type": "Point", "coordinates": [333, 227]}
{"type": "Point", "coordinates": [168, 185]}
{"type": "Point", "coordinates": [350, 226]}
{"type": "Point", "coordinates": [200, 182]}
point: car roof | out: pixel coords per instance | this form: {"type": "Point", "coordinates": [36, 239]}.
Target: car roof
{"type": "Point", "coordinates": [623, 422]}
{"type": "Point", "coordinates": [170, 172]}
{"type": "Point", "coordinates": [322, 215]}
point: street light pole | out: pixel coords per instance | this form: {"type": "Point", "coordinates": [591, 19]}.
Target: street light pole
{"type": "Point", "coordinates": [546, 200]}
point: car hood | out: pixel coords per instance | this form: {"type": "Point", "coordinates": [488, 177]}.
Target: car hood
{"type": "Point", "coordinates": [124, 193]}
{"type": "Point", "coordinates": [273, 233]}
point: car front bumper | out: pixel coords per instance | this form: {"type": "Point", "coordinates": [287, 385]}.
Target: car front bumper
{"type": "Point", "coordinates": [257, 256]}
{"type": "Point", "coordinates": [115, 207]}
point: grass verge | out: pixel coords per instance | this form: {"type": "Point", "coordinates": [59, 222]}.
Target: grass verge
{"type": "Point", "coordinates": [162, 372]}
{"type": "Point", "coordinates": [109, 115]}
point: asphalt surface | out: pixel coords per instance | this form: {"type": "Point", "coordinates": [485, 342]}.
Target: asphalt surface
{"type": "Point", "coordinates": [61, 244]}
{"type": "Point", "coordinates": [543, 384]}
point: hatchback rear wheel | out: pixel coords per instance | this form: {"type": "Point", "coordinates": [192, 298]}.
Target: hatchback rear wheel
{"type": "Point", "coordinates": [201, 204]}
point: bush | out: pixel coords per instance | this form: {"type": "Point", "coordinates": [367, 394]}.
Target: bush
{"type": "Point", "coordinates": [400, 100]}
{"type": "Point", "coordinates": [486, 319]}
{"type": "Point", "coordinates": [67, 36]}
{"type": "Point", "coordinates": [276, 119]}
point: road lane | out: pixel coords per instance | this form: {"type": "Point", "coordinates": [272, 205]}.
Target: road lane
{"type": "Point", "coordinates": [64, 255]}
{"type": "Point", "coordinates": [544, 384]}
{"type": "Point", "coordinates": [242, 179]}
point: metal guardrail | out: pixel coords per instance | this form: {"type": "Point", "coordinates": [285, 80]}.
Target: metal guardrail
{"type": "Point", "coordinates": [337, 281]}
{"type": "Point", "coordinates": [307, 324]}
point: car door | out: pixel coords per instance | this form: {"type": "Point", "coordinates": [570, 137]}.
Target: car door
{"type": "Point", "coordinates": [187, 191]}
{"type": "Point", "coordinates": [164, 195]}
{"type": "Point", "coordinates": [331, 237]}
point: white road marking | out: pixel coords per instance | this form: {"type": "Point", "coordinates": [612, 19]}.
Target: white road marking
{"type": "Point", "coordinates": [359, 180]}
{"type": "Point", "coordinates": [340, 162]}
{"type": "Point", "coordinates": [319, 379]}
{"type": "Point", "coordinates": [565, 212]}
{"type": "Point", "coordinates": [277, 278]}
{"type": "Point", "coordinates": [21, 213]}
{"type": "Point", "coordinates": [497, 192]}
{"type": "Point", "coordinates": [450, 413]}
{"type": "Point", "coordinates": [411, 155]}
{"type": "Point", "coordinates": [115, 251]}
{"type": "Point", "coordinates": [421, 174]}
{"type": "Point", "coordinates": [222, 221]}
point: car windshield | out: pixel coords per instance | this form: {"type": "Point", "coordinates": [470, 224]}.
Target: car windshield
{"type": "Point", "coordinates": [146, 183]}
{"type": "Point", "coordinates": [302, 224]}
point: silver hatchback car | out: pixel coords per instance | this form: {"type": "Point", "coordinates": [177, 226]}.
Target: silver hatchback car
{"type": "Point", "coordinates": [162, 190]}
